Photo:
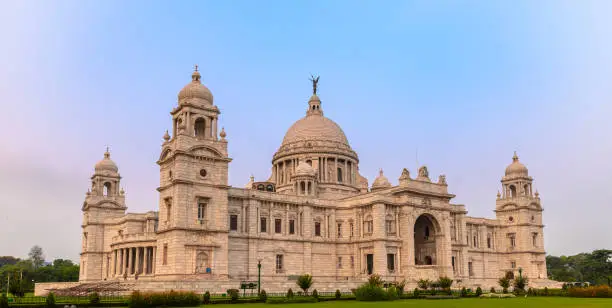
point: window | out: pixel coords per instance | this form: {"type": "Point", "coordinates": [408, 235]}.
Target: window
{"type": "Point", "coordinates": [426, 232]}
{"type": "Point", "coordinates": [512, 240]}
{"type": "Point", "coordinates": [453, 263]}
{"type": "Point", "coordinates": [351, 226]}
{"type": "Point", "coordinates": [201, 212]}
{"type": "Point", "coordinates": [165, 255]}
{"type": "Point", "coordinates": [200, 128]}
{"type": "Point", "coordinates": [389, 226]}
{"type": "Point", "coordinates": [513, 264]}
{"type": "Point", "coordinates": [106, 189]}
{"type": "Point", "coordinates": [279, 263]}
{"type": "Point", "coordinates": [317, 228]}
{"type": "Point", "coordinates": [488, 242]}
{"type": "Point", "coordinates": [339, 262]}
{"type": "Point", "coordinates": [260, 187]}
{"type": "Point", "coordinates": [391, 262]}
{"type": "Point", "coordinates": [278, 225]}
{"type": "Point", "coordinates": [339, 175]}
{"type": "Point", "coordinates": [534, 239]}
{"type": "Point", "coordinates": [262, 222]}
{"type": "Point", "coordinates": [233, 222]}
{"type": "Point", "coordinates": [470, 269]}
{"type": "Point", "coordinates": [203, 173]}
{"type": "Point", "coordinates": [339, 230]}
{"type": "Point", "coordinates": [352, 262]}
{"type": "Point", "coordinates": [168, 211]}
{"type": "Point", "coordinates": [475, 241]}
{"type": "Point", "coordinates": [368, 225]}
{"type": "Point", "coordinates": [291, 226]}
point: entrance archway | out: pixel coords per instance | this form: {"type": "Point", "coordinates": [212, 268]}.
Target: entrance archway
{"type": "Point", "coordinates": [425, 230]}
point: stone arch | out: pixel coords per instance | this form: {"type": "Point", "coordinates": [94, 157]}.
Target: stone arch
{"type": "Point", "coordinates": [426, 229]}
{"type": "Point", "coordinates": [107, 189]}
{"type": "Point", "coordinates": [199, 128]}
{"type": "Point", "coordinates": [512, 191]}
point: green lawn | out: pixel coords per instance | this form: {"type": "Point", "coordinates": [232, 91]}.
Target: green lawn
{"type": "Point", "coordinates": [536, 302]}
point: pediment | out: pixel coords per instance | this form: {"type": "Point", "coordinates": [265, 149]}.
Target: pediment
{"type": "Point", "coordinates": [205, 151]}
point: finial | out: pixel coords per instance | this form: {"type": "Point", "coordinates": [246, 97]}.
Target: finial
{"type": "Point", "coordinates": [195, 77]}
{"type": "Point", "coordinates": [498, 194]}
{"type": "Point", "coordinates": [222, 134]}
{"type": "Point", "coordinates": [166, 136]}
{"type": "Point", "coordinates": [537, 194]}
{"type": "Point", "coordinates": [122, 192]}
{"type": "Point", "coordinates": [107, 153]}
{"type": "Point", "coordinates": [515, 157]}
{"type": "Point", "coordinates": [315, 82]}
{"type": "Point", "coordinates": [252, 178]}
{"type": "Point", "coordinates": [380, 172]}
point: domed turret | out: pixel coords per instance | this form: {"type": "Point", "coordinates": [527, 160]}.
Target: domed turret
{"type": "Point", "coordinates": [516, 168]}
{"type": "Point", "coordinates": [304, 169]}
{"type": "Point", "coordinates": [381, 182]}
{"type": "Point", "coordinates": [106, 164]}
{"type": "Point", "coordinates": [195, 91]}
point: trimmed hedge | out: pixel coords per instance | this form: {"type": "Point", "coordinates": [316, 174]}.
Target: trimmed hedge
{"type": "Point", "coordinates": [596, 291]}
{"type": "Point", "coordinates": [294, 300]}
{"type": "Point", "coordinates": [169, 299]}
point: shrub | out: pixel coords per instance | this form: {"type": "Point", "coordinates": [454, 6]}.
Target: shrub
{"type": "Point", "coordinates": [520, 283]}
{"type": "Point", "coordinates": [504, 282]}
{"type": "Point", "coordinates": [233, 294]}
{"type": "Point", "coordinates": [392, 294]}
{"type": "Point", "coordinates": [492, 290]}
{"type": "Point", "coordinates": [596, 291]}
{"type": "Point", "coordinates": [338, 294]}
{"type": "Point", "coordinates": [4, 301]}
{"type": "Point", "coordinates": [50, 301]}
{"type": "Point", "coordinates": [445, 284]}
{"type": "Point", "coordinates": [400, 287]}
{"type": "Point", "coordinates": [304, 282]}
{"type": "Point", "coordinates": [464, 292]}
{"type": "Point", "coordinates": [370, 292]}
{"type": "Point", "coordinates": [416, 292]}
{"type": "Point", "coordinates": [94, 298]}
{"type": "Point", "coordinates": [424, 283]}
{"type": "Point", "coordinates": [290, 294]}
{"type": "Point", "coordinates": [157, 299]}
{"type": "Point", "coordinates": [263, 296]}
{"type": "Point", "coordinates": [545, 292]}
{"type": "Point", "coordinates": [315, 294]}
{"type": "Point", "coordinates": [375, 280]}
{"type": "Point", "coordinates": [478, 291]}
{"type": "Point", "coordinates": [206, 298]}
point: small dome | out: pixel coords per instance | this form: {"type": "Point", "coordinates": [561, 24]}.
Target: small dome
{"type": "Point", "coordinates": [516, 168]}
{"type": "Point", "coordinates": [195, 90]}
{"type": "Point", "coordinates": [381, 181]}
{"type": "Point", "coordinates": [249, 185]}
{"type": "Point", "coordinates": [305, 169]}
{"type": "Point", "coordinates": [106, 164]}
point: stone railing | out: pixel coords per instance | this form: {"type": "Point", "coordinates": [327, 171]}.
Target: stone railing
{"type": "Point", "coordinates": [135, 237]}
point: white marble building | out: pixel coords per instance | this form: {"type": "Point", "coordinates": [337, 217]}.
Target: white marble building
{"type": "Point", "coordinates": [315, 214]}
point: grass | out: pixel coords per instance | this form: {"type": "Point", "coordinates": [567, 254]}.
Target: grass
{"type": "Point", "coordinates": [535, 302]}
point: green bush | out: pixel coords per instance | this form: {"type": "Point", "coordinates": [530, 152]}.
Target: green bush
{"type": "Point", "coordinates": [520, 282]}
{"type": "Point", "coordinates": [304, 282]}
{"type": "Point", "coordinates": [375, 280]}
{"type": "Point", "coordinates": [416, 292]}
{"type": "Point", "coordinates": [504, 282]}
{"type": "Point", "coordinates": [290, 294]}
{"type": "Point", "coordinates": [157, 299]}
{"type": "Point", "coordinates": [263, 296]}
{"type": "Point", "coordinates": [424, 283]}
{"type": "Point", "coordinates": [392, 294]}
{"type": "Point", "coordinates": [4, 301]}
{"type": "Point", "coordinates": [464, 292]}
{"type": "Point", "coordinates": [545, 292]}
{"type": "Point", "coordinates": [370, 292]}
{"type": "Point", "coordinates": [233, 294]}
{"type": "Point", "coordinates": [50, 301]}
{"type": "Point", "coordinates": [206, 298]}
{"type": "Point", "coordinates": [338, 294]}
{"type": "Point", "coordinates": [315, 294]}
{"type": "Point", "coordinates": [295, 300]}
{"type": "Point", "coordinates": [400, 287]}
{"type": "Point", "coordinates": [478, 291]}
{"type": "Point", "coordinates": [596, 291]}
{"type": "Point", "coordinates": [492, 290]}
{"type": "Point", "coordinates": [94, 299]}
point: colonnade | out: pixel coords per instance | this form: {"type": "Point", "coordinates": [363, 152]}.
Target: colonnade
{"type": "Point", "coordinates": [133, 260]}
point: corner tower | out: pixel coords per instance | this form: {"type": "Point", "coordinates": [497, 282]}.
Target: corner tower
{"type": "Point", "coordinates": [519, 212]}
{"type": "Point", "coordinates": [193, 202]}
{"type": "Point", "coordinates": [105, 200]}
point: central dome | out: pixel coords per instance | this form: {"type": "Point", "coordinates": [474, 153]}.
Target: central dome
{"type": "Point", "coordinates": [317, 128]}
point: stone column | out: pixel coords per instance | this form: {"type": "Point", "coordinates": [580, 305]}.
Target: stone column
{"type": "Point", "coordinates": [145, 268]}
{"type": "Point", "coordinates": [214, 129]}
{"type": "Point", "coordinates": [286, 231]}
{"type": "Point", "coordinates": [114, 262]}
{"type": "Point", "coordinates": [346, 177]}
{"type": "Point", "coordinates": [270, 222]}
{"type": "Point", "coordinates": [335, 172]}
{"type": "Point", "coordinates": [127, 260]}
{"type": "Point", "coordinates": [154, 257]}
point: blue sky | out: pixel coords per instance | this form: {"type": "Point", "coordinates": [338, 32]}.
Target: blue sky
{"type": "Point", "coordinates": [463, 83]}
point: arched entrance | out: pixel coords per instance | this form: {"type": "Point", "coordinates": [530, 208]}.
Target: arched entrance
{"type": "Point", "coordinates": [201, 262]}
{"type": "Point", "coordinates": [425, 230]}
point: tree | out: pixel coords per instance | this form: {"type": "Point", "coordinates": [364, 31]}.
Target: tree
{"type": "Point", "coordinates": [504, 282]}
{"type": "Point", "coordinates": [304, 282]}
{"type": "Point", "coordinates": [445, 284]}
{"type": "Point", "coordinates": [424, 283]}
{"type": "Point", "coordinates": [8, 260]}
{"type": "Point", "coordinates": [36, 256]}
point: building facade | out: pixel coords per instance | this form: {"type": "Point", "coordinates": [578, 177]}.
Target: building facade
{"type": "Point", "coordinates": [315, 214]}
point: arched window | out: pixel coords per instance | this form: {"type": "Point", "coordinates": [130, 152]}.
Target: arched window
{"type": "Point", "coordinates": [200, 128]}
{"type": "Point", "coordinates": [106, 190]}
{"type": "Point", "coordinates": [260, 187]}
{"type": "Point", "coordinates": [270, 188]}
{"type": "Point", "coordinates": [339, 171]}
{"type": "Point", "coordinates": [526, 190]}
{"type": "Point", "coordinates": [512, 191]}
